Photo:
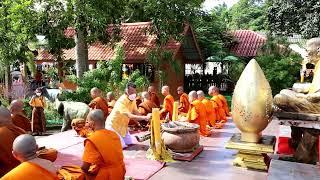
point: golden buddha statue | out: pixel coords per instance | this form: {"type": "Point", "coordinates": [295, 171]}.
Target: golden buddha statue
{"type": "Point", "coordinates": [304, 98]}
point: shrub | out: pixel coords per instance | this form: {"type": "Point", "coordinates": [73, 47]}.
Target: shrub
{"type": "Point", "coordinates": [107, 77]}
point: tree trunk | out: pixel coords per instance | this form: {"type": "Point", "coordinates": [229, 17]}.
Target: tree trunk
{"type": "Point", "coordinates": [81, 53]}
{"type": "Point", "coordinates": [60, 68]}
{"type": "Point", "coordinates": [7, 79]}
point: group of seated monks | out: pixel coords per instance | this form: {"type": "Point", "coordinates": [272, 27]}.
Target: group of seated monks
{"type": "Point", "coordinates": [107, 132]}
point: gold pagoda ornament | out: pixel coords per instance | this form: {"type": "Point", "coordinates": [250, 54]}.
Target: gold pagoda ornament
{"type": "Point", "coordinates": [251, 113]}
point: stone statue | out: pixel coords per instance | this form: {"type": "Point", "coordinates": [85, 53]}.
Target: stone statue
{"type": "Point", "coordinates": [304, 97]}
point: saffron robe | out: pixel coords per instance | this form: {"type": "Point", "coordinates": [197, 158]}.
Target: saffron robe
{"type": "Point", "coordinates": [184, 103]}
{"type": "Point", "coordinates": [155, 99]}
{"type": "Point", "coordinates": [79, 125]}
{"type": "Point", "coordinates": [8, 134]}
{"type": "Point", "coordinates": [21, 121]}
{"type": "Point", "coordinates": [29, 171]}
{"type": "Point", "coordinates": [38, 117]}
{"type": "Point", "coordinates": [146, 107]}
{"type": "Point", "coordinates": [221, 115]}
{"type": "Point", "coordinates": [224, 104]}
{"type": "Point", "coordinates": [103, 149]}
{"type": "Point", "coordinates": [211, 111]}
{"type": "Point", "coordinates": [100, 103]}
{"type": "Point", "coordinates": [167, 107]}
{"type": "Point", "coordinates": [197, 114]}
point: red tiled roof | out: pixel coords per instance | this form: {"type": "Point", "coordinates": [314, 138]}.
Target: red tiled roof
{"type": "Point", "coordinates": [135, 40]}
{"type": "Point", "coordinates": [248, 43]}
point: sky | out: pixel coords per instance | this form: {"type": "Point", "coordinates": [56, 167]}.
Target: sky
{"type": "Point", "coordinates": [209, 4]}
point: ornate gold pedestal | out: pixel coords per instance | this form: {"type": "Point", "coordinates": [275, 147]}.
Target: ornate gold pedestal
{"type": "Point", "coordinates": [250, 154]}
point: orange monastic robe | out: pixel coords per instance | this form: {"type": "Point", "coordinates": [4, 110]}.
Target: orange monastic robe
{"type": "Point", "coordinates": [103, 149]}
{"type": "Point", "coordinates": [167, 107]}
{"type": "Point", "coordinates": [100, 103]}
{"type": "Point", "coordinates": [8, 134]}
{"type": "Point", "coordinates": [221, 115]}
{"type": "Point", "coordinates": [146, 107]}
{"type": "Point", "coordinates": [29, 171]}
{"type": "Point", "coordinates": [211, 111]}
{"type": "Point", "coordinates": [155, 99]}
{"type": "Point", "coordinates": [184, 103]}
{"type": "Point", "coordinates": [197, 114]}
{"type": "Point", "coordinates": [225, 104]}
{"type": "Point", "coordinates": [21, 121]}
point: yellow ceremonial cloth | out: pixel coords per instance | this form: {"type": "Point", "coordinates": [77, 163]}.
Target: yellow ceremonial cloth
{"type": "Point", "coordinates": [118, 119]}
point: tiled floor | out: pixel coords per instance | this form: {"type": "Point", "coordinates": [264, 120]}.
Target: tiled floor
{"type": "Point", "coordinates": [215, 162]}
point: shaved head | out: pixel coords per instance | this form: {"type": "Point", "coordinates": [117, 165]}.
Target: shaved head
{"type": "Point", "coordinates": [16, 106]}
{"type": "Point", "coordinates": [193, 96]}
{"type": "Point", "coordinates": [145, 95]}
{"type": "Point", "coordinates": [95, 92]}
{"type": "Point", "coordinates": [180, 90]}
{"type": "Point", "coordinates": [200, 94]}
{"type": "Point", "coordinates": [151, 89]}
{"type": "Point", "coordinates": [25, 147]}
{"type": "Point", "coordinates": [5, 116]}
{"type": "Point", "coordinates": [110, 96]}
{"type": "Point", "coordinates": [213, 90]}
{"type": "Point", "coordinates": [96, 118]}
{"type": "Point", "coordinates": [165, 90]}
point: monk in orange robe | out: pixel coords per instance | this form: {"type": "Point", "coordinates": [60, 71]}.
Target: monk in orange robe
{"type": "Point", "coordinates": [197, 113]}
{"type": "Point", "coordinates": [211, 108]}
{"type": "Point", "coordinates": [18, 117]}
{"type": "Point", "coordinates": [111, 101]}
{"type": "Point", "coordinates": [153, 95]}
{"type": "Point", "coordinates": [79, 125]}
{"type": "Point", "coordinates": [221, 113]}
{"type": "Point", "coordinates": [38, 103]}
{"type": "Point", "coordinates": [102, 156]}
{"type": "Point", "coordinates": [24, 149]}
{"type": "Point", "coordinates": [98, 101]}
{"type": "Point", "coordinates": [8, 133]}
{"type": "Point", "coordinates": [168, 102]}
{"type": "Point", "coordinates": [146, 106]}
{"type": "Point", "coordinates": [184, 101]}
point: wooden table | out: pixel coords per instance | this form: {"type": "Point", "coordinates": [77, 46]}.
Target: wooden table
{"type": "Point", "coordinates": [284, 170]}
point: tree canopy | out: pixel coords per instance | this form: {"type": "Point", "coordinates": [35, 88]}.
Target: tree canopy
{"type": "Point", "coordinates": [290, 16]}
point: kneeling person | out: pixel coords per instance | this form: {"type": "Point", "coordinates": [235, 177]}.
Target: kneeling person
{"type": "Point", "coordinates": [31, 167]}
{"type": "Point", "coordinates": [102, 157]}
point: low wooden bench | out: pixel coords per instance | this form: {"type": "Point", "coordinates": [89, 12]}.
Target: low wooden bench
{"type": "Point", "coordinates": [284, 170]}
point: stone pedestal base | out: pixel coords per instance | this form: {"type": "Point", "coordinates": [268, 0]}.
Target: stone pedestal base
{"type": "Point", "coordinates": [250, 154]}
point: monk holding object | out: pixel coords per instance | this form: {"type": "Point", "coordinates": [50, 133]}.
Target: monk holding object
{"type": "Point", "coordinates": [31, 167]}
{"type": "Point", "coordinates": [153, 95]}
{"type": "Point", "coordinates": [102, 157]}
{"type": "Point", "coordinates": [18, 117]}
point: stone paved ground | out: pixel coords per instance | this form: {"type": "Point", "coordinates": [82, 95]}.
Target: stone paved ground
{"type": "Point", "coordinates": [215, 162]}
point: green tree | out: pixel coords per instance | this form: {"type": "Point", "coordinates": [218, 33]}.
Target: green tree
{"type": "Point", "coordinates": [289, 16]}
{"type": "Point", "coordinates": [249, 14]}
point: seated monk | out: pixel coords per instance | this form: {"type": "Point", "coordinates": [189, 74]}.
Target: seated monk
{"type": "Point", "coordinates": [221, 112]}
{"type": "Point", "coordinates": [24, 149]}
{"type": "Point", "coordinates": [184, 101]}
{"type": "Point", "coordinates": [8, 133]}
{"type": "Point", "coordinates": [168, 101]}
{"type": "Point", "coordinates": [79, 125]}
{"type": "Point", "coordinates": [153, 95]}
{"type": "Point", "coordinates": [211, 108]}
{"type": "Point", "coordinates": [18, 117]}
{"type": "Point", "coordinates": [102, 156]}
{"type": "Point", "coordinates": [197, 113]}
{"type": "Point", "coordinates": [145, 107]}
{"type": "Point", "coordinates": [111, 101]}
{"type": "Point", "coordinates": [98, 101]}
